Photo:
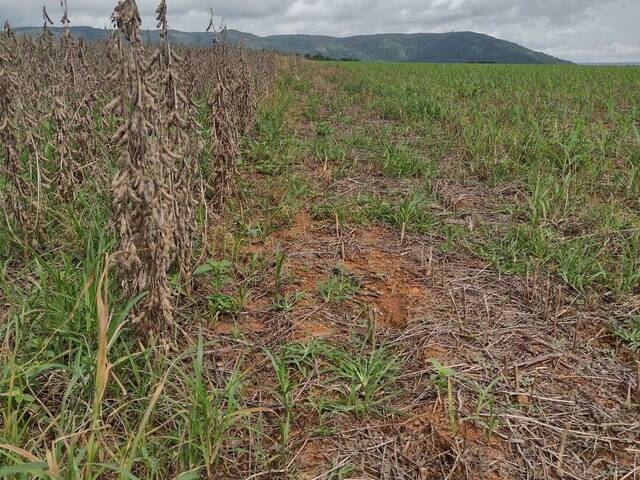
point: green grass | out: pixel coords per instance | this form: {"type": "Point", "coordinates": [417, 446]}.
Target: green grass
{"type": "Point", "coordinates": [284, 395]}
{"type": "Point", "coordinates": [629, 332]}
{"type": "Point", "coordinates": [287, 302]}
{"type": "Point", "coordinates": [566, 137]}
{"type": "Point", "coordinates": [410, 215]}
{"type": "Point", "coordinates": [403, 161]}
{"type": "Point", "coordinates": [340, 286]}
{"type": "Point", "coordinates": [365, 379]}
{"type": "Point", "coordinates": [355, 381]}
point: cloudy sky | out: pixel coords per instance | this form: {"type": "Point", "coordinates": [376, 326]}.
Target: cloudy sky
{"type": "Point", "coordinates": [578, 30]}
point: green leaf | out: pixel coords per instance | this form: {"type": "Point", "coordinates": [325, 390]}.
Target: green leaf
{"type": "Point", "coordinates": [35, 468]}
{"type": "Point", "coordinates": [190, 475]}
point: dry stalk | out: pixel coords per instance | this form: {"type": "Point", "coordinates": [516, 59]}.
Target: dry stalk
{"type": "Point", "coordinates": [46, 37]}
{"type": "Point", "coordinates": [17, 199]}
{"type": "Point", "coordinates": [178, 149]}
{"type": "Point", "coordinates": [142, 199]}
{"type": "Point", "coordinates": [67, 169]}
{"type": "Point", "coordinates": [225, 142]}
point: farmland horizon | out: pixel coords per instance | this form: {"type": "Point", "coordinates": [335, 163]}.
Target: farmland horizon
{"type": "Point", "coordinates": [605, 61]}
{"type": "Point", "coordinates": [582, 32]}
{"type": "Point", "coordinates": [416, 47]}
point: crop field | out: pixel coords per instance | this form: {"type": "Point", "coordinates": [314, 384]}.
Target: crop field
{"type": "Point", "coordinates": [222, 263]}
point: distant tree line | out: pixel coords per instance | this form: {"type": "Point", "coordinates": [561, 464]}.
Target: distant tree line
{"type": "Point", "coordinates": [325, 58]}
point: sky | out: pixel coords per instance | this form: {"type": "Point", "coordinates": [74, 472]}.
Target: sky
{"type": "Point", "coordinates": [576, 30]}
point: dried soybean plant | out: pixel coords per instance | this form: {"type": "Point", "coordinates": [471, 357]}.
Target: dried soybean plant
{"type": "Point", "coordinates": [20, 199]}
{"type": "Point", "coordinates": [154, 98]}
{"type": "Point", "coordinates": [63, 90]}
{"type": "Point", "coordinates": [224, 142]}
{"type": "Point", "coordinates": [76, 90]}
{"type": "Point", "coordinates": [141, 196]}
{"type": "Point", "coordinates": [12, 166]}
{"type": "Point", "coordinates": [67, 169]}
{"type": "Point", "coordinates": [231, 79]}
{"type": "Point", "coordinates": [178, 148]}
{"type": "Point", "coordinates": [223, 132]}
{"type": "Point", "coordinates": [46, 37]}
{"type": "Point", "coordinates": [8, 33]}
{"type": "Point", "coordinates": [154, 192]}
{"type": "Point", "coordinates": [245, 95]}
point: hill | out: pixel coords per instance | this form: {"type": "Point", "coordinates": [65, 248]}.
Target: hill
{"type": "Point", "coordinates": [453, 47]}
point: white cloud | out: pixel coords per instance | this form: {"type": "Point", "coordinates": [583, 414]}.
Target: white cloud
{"type": "Point", "coordinates": [580, 30]}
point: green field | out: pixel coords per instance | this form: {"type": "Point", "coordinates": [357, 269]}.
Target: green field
{"type": "Point", "coordinates": [424, 271]}
{"type": "Point", "coordinates": [561, 142]}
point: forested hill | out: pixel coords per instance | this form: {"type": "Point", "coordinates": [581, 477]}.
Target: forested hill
{"type": "Point", "coordinates": [453, 47]}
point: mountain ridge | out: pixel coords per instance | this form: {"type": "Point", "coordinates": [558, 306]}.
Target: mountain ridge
{"type": "Point", "coordinates": [450, 47]}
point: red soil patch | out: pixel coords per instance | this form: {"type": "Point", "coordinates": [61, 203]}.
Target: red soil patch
{"type": "Point", "coordinates": [390, 281]}
{"type": "Point", "coordinates": [251, 325]}
{"type": "Point", "coordinates": [310, 329]}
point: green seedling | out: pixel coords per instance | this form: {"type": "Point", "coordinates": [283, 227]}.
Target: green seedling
{"type": "Point", "coordinates": [441, 376]}
{"type": "Point", "coordinates": [340, 286]}
{"type": "Point", "coordinates": [286, 302]}
{"type": "Point", "coordinates": [366, 379]}
{"type": "Point", "coordinates": [284, 396]}
{"type": "Point", "coordinates": [484, 400]}
{"type": "Point", "coordinates": [629, 333]}
{"type": "Point", "coordinates": [279, 263]}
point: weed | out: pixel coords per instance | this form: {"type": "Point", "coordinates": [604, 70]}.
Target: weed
{"type": "Point", "coordinates": [441, 377]}
{"type": "Point", "coordinates": [485, 401]}
{"type": "Point", "coordinates": [340, 286]}
{"type": "Point", "coordinates": [212, 414]}
{"type": "Point", "coordinates": [323, 129]}
{"type": "Point", "coordinates": [578, 263]}
{"type": "Point", "coordinates": [219, 301]}
{"type": "Point", "coordinates": [403, 161]}
{"type": "Point", "coordinates": [341, 472]}
{"type": "Point", "coordinates": [279, 263]}
{"type": "Point", "coordinates": [452, 232]}
{"type": "Point", "coordinates": [629, 333]}
{"type": "Point", "coordinates": [411, 214]}
{"type": "Point", "coordinates": [284, 395]}
{"type": "Point", "coordinates": [286, 302]}
{"type": "Point", "coordinates": [328, 150]}
{"type": "Point", "coordinates": [305, 356]}
{"type": "Point", "coordinates": [367, 379]}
